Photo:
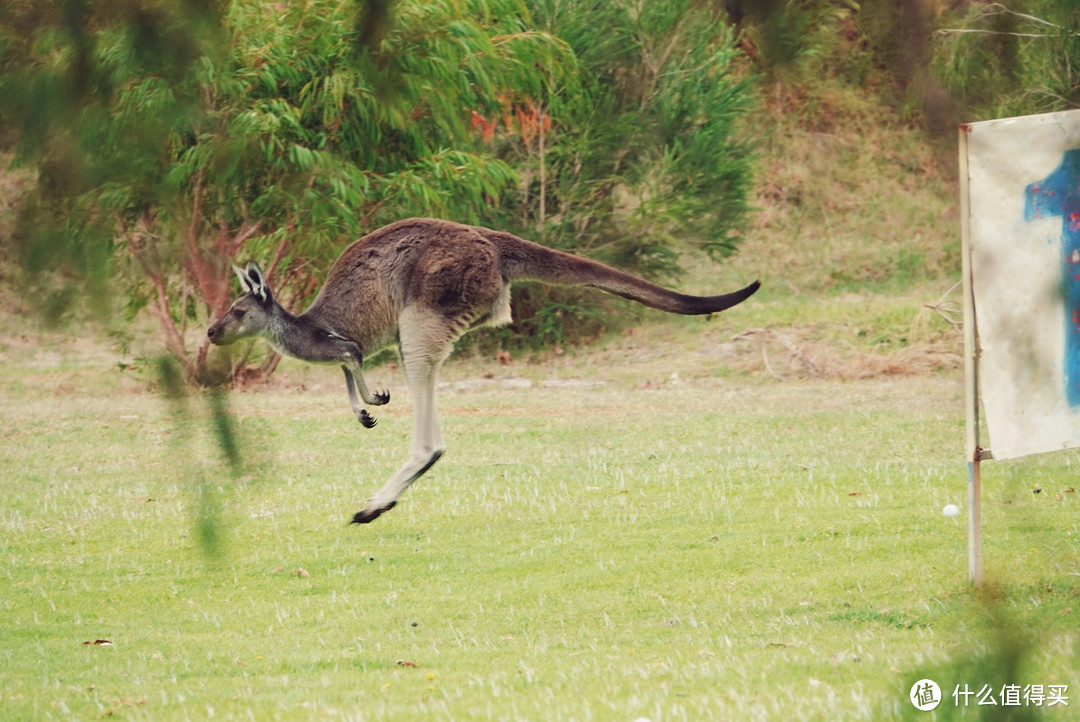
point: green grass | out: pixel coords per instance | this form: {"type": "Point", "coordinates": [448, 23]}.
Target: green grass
{"type": "Point", "coordinates": [716, 546]}
{"type": "Point", "coordinates": [729, 527]}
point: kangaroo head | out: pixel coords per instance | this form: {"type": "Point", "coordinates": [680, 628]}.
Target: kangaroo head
{"type": "Point", "coordinates": [248, 315]}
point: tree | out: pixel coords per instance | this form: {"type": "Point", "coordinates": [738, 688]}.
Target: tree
{"type": "Point", "coordinates": [170, 138]}
{"type": "Point", "coordinates": [635, 157]}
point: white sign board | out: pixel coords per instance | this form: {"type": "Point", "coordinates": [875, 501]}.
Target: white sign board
{"type": "Point", "coordinates": [1023, 192]}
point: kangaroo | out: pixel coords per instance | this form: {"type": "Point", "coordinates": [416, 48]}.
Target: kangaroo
{"type": "Point", "coordinates": [423, 283]}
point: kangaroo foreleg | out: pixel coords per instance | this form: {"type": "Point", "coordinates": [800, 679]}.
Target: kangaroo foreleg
{"type": "Point", "coordinates": [354, 382]}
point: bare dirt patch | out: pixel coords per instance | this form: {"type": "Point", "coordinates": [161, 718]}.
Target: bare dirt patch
{"type": "Point", "coordinates": [785, 353]}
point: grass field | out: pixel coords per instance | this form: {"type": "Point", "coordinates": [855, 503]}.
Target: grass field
{"type": "Point", "coordinates": [737, 519]}
{"type": "Point", "coordinates": [654, 528]}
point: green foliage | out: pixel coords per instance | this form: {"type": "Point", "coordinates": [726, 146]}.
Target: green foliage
{"type": "Point", "coordinates": [64, 93]}
{"type": "Point", "coordinates": [644, 146]}
{"type": "Point", "coordinates": [633, 158]}
{"type": "Point", "coordinates": [171, 138]}
{"type": "Point", "coordinates": [784, 34]}
{"type": "Point", "coordinates": [1003, 61]}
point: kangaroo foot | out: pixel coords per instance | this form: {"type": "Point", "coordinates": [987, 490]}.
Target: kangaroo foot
{"type": "Point", "coordinates": [371, 514]}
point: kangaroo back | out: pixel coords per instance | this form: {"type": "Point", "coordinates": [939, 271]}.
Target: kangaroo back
{"type": "Point", "coordinates": [527, 261]}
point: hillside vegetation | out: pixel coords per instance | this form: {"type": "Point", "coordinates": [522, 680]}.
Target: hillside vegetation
{"type": "Point", "coordinates": [852, 227]}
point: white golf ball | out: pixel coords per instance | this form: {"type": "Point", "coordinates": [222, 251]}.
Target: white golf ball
{"type": "Point", "coordinates": [951, 510]}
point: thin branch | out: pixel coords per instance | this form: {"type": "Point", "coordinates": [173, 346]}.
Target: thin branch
{"type": "Point", "coordinates": [196, 210]}
{"type": "Point", "coordinates": [159, 305]}
{"type": "Point", "coordinates": [995, 9]}
{"type": "Point", "coordinates": [245, 232]}
{"type": "Point", "coordinates": [185, 293]}
{"type": "Point", "coordinates": [999, 9]}
{"type": "Point", "coordinates": [541, 150]}
{"type": "Point", "coordinates": [947, 310]}
{"type": "Point", "coordinates": [278, 253]}
{"type": "Point", "coordinates": [977, 31]}
{"type": "Point", "coordinates": [374, 209]}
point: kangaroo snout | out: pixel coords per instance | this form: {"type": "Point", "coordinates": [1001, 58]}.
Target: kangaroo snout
{"type": "Point", "coordinates": [220, 334]}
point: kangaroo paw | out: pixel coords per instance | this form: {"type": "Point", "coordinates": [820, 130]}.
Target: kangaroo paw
{"type": "Point", "coordinates": [381, 397]}
{"type": "Point", "coordinates": [371, 514]}
{"type": "Point", "coordinates": [366, 420]}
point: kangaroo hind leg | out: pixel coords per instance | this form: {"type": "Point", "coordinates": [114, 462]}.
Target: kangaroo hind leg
{"type": "Point", "coordinates": [426, 340]}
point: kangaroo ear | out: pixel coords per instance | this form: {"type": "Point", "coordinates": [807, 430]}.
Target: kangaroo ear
{"type": "Point", "coordinates": [243, 278]}
{"type": "Point", "coordinates": [255, 282]}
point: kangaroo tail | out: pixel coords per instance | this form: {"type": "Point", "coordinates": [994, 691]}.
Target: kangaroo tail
{"type": "Point", "coordinates": [526, 261]}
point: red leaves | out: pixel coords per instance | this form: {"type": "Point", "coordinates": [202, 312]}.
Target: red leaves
{"type": "Point", "coordinates": [526, 118]}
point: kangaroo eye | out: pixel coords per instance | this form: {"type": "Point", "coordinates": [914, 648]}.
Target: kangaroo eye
{"type": "Point", "coordinates": [239, 313]}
